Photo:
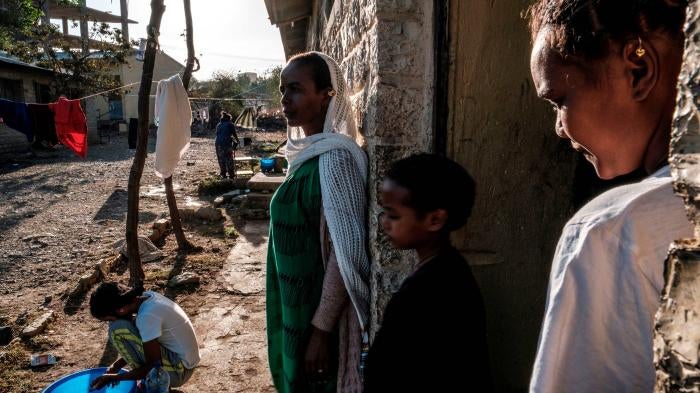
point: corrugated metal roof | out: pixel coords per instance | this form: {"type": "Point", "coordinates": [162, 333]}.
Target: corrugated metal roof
{"type": "Point", "coordinates": [7, 60]}
{"type": "Point", "coordinates": [292, 19]}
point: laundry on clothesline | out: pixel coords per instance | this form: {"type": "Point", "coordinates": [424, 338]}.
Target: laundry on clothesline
{"type": "Point", "coordinates": [174, 116]}
{"type": "Point", "coordinates": [63, 121]}
{"type": "Point", "coordinates": [16, 116]}
{"type": "Point", "coordinates": [71, 125]}
{"type": "Point", "coordinates": [43, 125]}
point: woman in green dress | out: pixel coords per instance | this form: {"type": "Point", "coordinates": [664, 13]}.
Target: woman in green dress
{"type": "Point", "coordinates": [317, 265]}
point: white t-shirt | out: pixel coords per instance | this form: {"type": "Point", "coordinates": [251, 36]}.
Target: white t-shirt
{"type": "Point", "coordinates": [161, 318]}
{"type": "Point", "coordinates": [604, 289]}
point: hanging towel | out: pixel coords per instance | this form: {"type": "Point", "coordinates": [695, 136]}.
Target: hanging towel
{"type": "Point", "coordinates": [15, 115]}
{"type": "Point", "coordinates": [71, 125]}
{"type": "Point", "coordinates": [174, 117]}
{"type": "Point", "coordinates": [43, 123]}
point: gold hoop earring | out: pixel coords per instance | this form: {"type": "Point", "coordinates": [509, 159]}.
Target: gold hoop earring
{"type": "Point", "coordinates": [640, 49]}
{"type": "Point", "coordinates": [332, 93]}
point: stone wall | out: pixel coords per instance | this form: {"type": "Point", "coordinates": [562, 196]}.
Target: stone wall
{"type": "Point", "coordinates": [385, 48]}
{"type": "Point", "coordinates": [677, 338]}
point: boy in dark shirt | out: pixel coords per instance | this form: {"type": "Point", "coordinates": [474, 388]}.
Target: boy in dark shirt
{"type": "Point", "coordinates": [433, 336]}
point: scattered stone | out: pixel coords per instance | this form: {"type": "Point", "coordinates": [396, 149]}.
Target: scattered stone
{"type": "Point", "coordinates": [38, 325]}
{"type": "Point", "coordinates": [147, 250]}
{"type": "Point", "coordinates": [22, 318]}
{"type": "Point", "coordinates": [159, 229]}
{"type": "Point", "coordinates": [37, 236]}
{"type": "Point", "coordinates": [5, 335]}
{"type": "Point", "coordinates": [257, 200]}
{"type": "Point", "coordinates": [218, 201]}
{"type": "Point", "coordinates": [86, 281]}
{"type": "Point", "coordinates": [107, 264]}
{"type": "Point", "coordinates": [162, 224]}
{"type": "Point", "coordinates": [255, 214]}
{"type": "Point", "coordinates": [190, 163]}
{"type": "Point", "coordinates": [184, 279]}
{"type": "Point", "coordinates": [48, 299]}
{"type": "Point", "coordinates": [227, 196]}
{"type": "Point", "coordinates": [187, 212]}
{"type": "Point", "coordinates": [209, 213]}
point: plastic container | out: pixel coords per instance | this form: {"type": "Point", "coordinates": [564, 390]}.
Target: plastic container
{"type": "Point", "coordinates": [81, 381]}
{"type": "Point", "coordinates": [267, 164]}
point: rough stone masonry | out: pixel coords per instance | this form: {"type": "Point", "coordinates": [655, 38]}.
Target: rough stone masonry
{"type": "Point", "coordinates": [677, 330]}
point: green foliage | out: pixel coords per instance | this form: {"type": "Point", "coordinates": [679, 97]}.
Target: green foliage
{"type": "Point", "coordinates": [231, 232]}
{"type": "Point", "coordinates": [226, 84]}
{"type": "Point", "coordinates": [214, 185]}
{"type": "Point", "coordinates": [270, 82]}
{"type": "Point", "coordinates": [23, 36]}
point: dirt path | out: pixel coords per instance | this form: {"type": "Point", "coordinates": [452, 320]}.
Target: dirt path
{"type": "Point", "coordinates": [232, 326]}
{"type": "Point", "coordinates": [59, 215]}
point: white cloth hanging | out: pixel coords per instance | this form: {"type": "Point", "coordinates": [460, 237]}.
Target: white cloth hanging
{"type": "Point", "coordinates": [174, 116]}
{"type": "Point", "coordinates": [343, 178]}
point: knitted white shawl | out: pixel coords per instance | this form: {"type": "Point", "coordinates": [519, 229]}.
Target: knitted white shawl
{"type": "Point", "coordinates": [343, 176]}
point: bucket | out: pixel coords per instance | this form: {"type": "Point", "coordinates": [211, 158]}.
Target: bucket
{"type": "Point", "coordinates": [267, 164]}
{"type": "Point", "coordinates": [81, 380]}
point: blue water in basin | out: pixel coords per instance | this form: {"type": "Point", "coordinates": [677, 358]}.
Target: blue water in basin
{"type": "Point", "coordinates": [80, 381]}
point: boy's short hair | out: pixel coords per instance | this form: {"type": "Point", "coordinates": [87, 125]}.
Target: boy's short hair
{"type": "Point", "coordinates": [435, 182]}
{"type": "Point", "coordinates": [110, 296]}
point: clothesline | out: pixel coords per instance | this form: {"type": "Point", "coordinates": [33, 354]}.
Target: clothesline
{"type": "Point", "coordinates": [213, 98]}
{"type": "Point", "coordinates": [111, 90]}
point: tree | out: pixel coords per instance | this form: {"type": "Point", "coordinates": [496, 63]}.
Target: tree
{"type": "Point", "coordinates": [270, 85]}
{"type": "Point", "coordinates": [26, 36]}
{"type": "Point", "coordinates": [182, 243]}
{"type": "Point", "coordinates": [136, 274]}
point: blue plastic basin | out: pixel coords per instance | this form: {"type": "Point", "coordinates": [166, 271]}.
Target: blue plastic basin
{"type": "Point", "coordinates": [80, 381]}
{"type": "Point", "coordinates": [267, 164]}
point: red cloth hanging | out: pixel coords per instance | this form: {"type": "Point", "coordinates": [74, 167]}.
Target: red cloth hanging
{"type": "Point", "coordinates": [71, 125]}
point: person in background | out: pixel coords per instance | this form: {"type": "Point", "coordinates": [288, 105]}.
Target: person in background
{"type": "Point", "coordinates": [609, 68]}
{"type": "Point", "coordinates": [149, 331]}
{"type": "Point", "coordinates": [225, 143]}
{"type": "Point", "coordinates": [433, 334]}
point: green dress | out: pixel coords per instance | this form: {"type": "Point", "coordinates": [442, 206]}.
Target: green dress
{"type": "Point", "coordinates": [294, 278]}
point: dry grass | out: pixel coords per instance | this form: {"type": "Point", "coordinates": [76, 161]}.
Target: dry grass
{"type": "Point", "coordinates": [14, 375]}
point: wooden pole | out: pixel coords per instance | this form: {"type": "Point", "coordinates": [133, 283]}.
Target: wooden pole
{"type": "Point", "coordinates": [136, 274]}
{"type": "Point", "coordinates": [182, 243]}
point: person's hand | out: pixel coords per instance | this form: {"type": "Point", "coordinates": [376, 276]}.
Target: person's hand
{"type": "Point", "coordinates": [104, 380]}
{"type": "Point", "coordinates": [113, 369]}
{"type": "Point", "coordinates": [316, 358]}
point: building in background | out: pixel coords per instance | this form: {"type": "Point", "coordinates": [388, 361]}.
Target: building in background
{"type": "Point", "coordinates": [21, 82]}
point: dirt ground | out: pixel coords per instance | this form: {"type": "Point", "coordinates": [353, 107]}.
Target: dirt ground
{"type": "Point", "coordinates": [59, 215]}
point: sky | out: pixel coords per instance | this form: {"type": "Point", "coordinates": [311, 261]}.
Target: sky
{"type": "Point", "coordinates": [229, 35]}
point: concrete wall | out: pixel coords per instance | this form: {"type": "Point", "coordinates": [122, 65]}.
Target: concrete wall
{"type": "Point", "coordinates": [165, 67]}
{"type": "Point", "coordinates": [385, 48]}
{"type": "Point", "coordinates": [11, 140]}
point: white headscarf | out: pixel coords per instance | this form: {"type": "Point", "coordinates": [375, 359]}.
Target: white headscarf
{"type": "Point", "coordinates": [343, 186]}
